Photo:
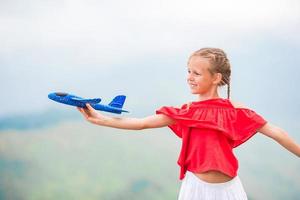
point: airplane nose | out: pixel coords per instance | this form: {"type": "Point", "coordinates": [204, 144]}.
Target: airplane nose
{"type": "Point", "coordinates": [51, 96]}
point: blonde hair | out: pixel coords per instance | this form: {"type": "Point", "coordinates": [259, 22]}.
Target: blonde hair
{"type": "Point", "coordinates": [219, 64]}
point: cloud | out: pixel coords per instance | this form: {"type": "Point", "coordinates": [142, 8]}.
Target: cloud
{"type": "Point", "coordinates": [135, 25]}
{"type": "Point", "coordinates": [44, 42]}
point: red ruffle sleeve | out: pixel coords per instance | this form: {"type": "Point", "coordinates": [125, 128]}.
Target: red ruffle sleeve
{"type": "Point", "coordinates": [246, 125]}
{"type": "Point", "coordinates": [175, 114]}
{"type": "Point", "coordinates": [237, 124]}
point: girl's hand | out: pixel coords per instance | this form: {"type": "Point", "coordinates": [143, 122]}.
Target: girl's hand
{"type": "Point", "coordinates": [91, 115]}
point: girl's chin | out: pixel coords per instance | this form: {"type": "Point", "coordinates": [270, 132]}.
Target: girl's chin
{"type": "Point", "coordinates": [194, 92]}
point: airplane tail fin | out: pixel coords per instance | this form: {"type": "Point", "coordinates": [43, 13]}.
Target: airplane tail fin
{"type": "Point", "coordinates": [118, 101]}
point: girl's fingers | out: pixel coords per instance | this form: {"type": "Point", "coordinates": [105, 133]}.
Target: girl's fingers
{"type": "Point", "coordinates": [79, 109]}
{"type": "Point", "coordinates": [88, 113]}
{"type": "Point", "coordinates": [91, 110]}
{"type": "Point", "coordinates": [89, 107]}
{"type": "Point", "coordinates": [83, 112]}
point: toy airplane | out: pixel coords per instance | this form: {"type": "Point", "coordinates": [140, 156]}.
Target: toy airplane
{"type": "Point", "coordinates": [115, 106]}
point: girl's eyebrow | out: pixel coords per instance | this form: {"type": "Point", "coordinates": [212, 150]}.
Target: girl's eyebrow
{"type": "Point", "coordinates": [199, 71]}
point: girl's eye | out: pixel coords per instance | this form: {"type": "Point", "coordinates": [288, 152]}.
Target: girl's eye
{"type": "Point", "coordinates": [194, 73]}
{"type": "Point", "coordinates": [197, 74]}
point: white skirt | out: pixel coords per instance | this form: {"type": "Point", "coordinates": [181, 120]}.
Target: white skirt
{"type": "Point", "coordinates": [193, 188]}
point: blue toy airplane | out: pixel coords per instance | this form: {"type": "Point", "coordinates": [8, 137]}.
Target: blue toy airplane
{"type": "Point", "coordinates": [115, 106]}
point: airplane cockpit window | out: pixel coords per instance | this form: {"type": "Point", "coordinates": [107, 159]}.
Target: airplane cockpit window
{"type": "Point", "coordinates": [61, 94]}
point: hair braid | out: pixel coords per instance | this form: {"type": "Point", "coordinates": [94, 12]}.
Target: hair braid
{"type": "Point", "coordinates": [228, 91]}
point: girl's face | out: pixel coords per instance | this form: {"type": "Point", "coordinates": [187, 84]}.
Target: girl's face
{"type": "Point", "coordinates": [200, 80]}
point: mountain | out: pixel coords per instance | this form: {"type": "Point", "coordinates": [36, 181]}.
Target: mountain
{"type": "Point", "coordinates": [78, 160]}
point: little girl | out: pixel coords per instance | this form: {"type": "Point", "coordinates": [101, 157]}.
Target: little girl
{"type": "Point", "coordinates": [209, 129]}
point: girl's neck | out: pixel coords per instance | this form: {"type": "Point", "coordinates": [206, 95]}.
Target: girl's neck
{"type": "Point", "coordinates": [205, 97]}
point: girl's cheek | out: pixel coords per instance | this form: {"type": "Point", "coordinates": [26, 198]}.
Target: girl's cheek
{"type": "Point", "coordinates": [197, 79]}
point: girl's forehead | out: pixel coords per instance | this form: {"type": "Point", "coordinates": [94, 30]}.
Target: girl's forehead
{"type": "Point", "coordinates": [200, 63]}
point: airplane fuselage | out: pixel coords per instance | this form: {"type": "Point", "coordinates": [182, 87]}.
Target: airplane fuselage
{"type": "Point", "coordinates": [68, 99]}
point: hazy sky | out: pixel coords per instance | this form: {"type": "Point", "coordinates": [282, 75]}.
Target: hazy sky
{"type": "Point", "coordinates": [102, 48]}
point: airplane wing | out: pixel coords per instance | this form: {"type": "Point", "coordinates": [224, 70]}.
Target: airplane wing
{"type": "Point", "coordinates": [96, 100]}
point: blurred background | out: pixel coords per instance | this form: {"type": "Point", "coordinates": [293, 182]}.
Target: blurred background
{"type": "Point", "coordinates": [140, 49]}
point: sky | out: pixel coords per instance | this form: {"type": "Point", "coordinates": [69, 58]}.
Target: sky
{"type": "Point", "coordinates": [140, 48]}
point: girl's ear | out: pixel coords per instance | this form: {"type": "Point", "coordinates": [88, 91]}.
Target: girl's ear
{"type": "Point", "coordinates": [218, 78]}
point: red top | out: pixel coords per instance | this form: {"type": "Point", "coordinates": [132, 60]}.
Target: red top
{"type": "Point", "coordinates": [210, 129]}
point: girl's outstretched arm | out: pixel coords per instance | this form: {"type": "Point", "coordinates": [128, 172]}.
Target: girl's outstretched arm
{"type": "Point", "coordinates": [280, 136]}
{"type": "Point", "coordinates": [153, 121]}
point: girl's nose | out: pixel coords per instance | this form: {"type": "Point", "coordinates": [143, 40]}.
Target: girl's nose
{"type": "Point", "coordinates": [189, 77]}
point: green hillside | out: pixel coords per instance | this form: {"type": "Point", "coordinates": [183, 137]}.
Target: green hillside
{"type": "Point", "coordinates": [82, 161]}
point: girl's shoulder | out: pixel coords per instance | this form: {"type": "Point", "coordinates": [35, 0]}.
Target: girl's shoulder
{"type": "Point", "coordinates": [237, 104]}
{"type": "Point", "coordinates": [233, 103]}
